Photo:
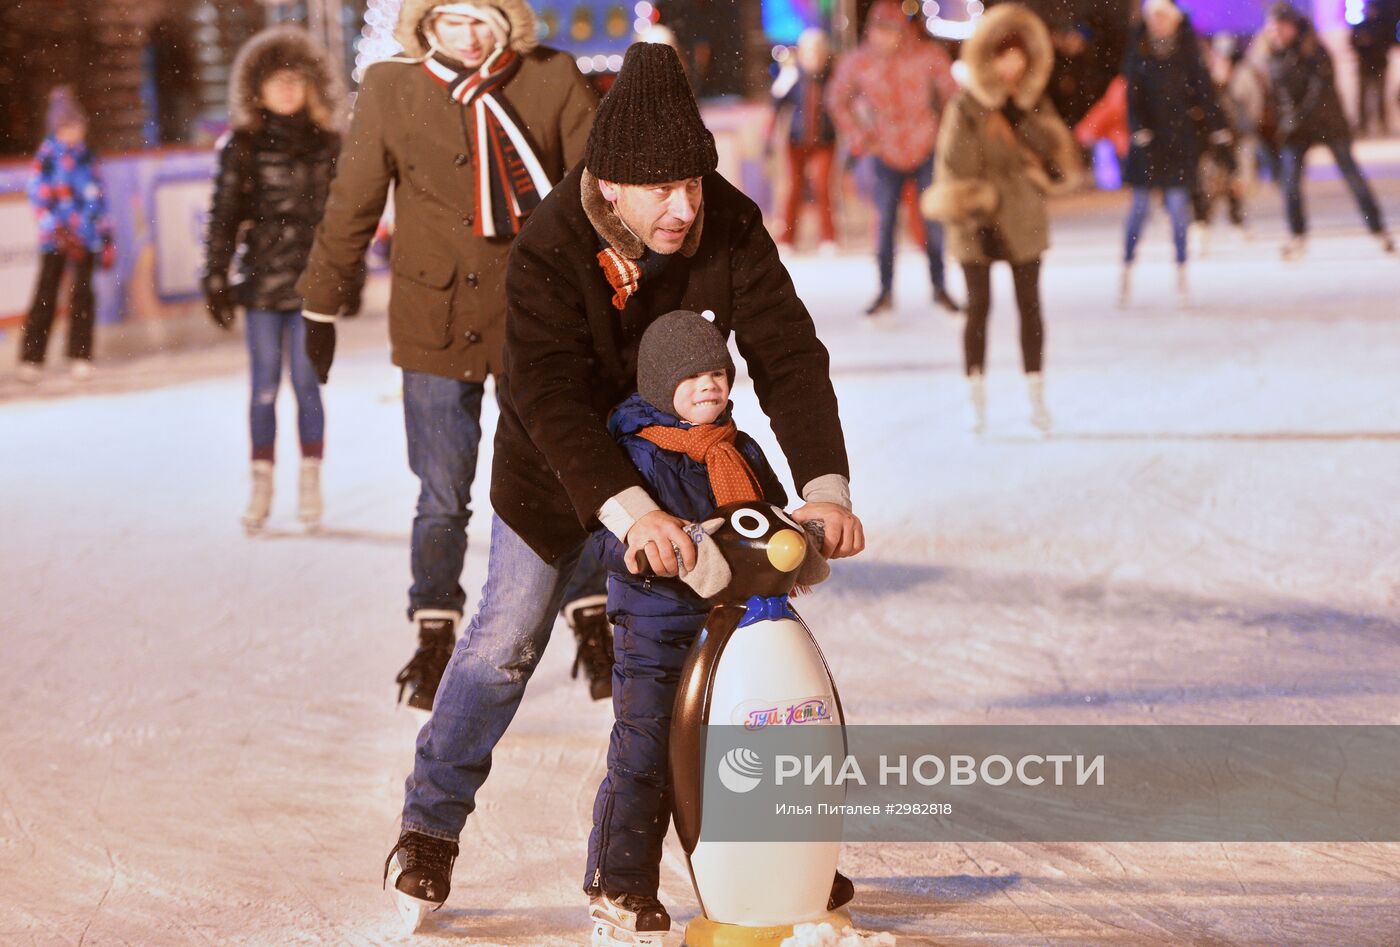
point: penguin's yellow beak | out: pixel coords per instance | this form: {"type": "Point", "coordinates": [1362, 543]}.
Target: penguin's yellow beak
{"type": "Point", "coordinates": [786, 549]}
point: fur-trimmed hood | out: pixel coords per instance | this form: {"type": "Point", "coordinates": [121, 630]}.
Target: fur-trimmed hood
{"type": "Point", "coordinates": [524, 32]}
{"type": "Point", "coordinates": [284, 47]}
{"type": "Point", "coordinates": [978, 52]}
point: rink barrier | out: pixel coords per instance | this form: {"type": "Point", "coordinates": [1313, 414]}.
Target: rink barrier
{"type": "Point", "coordinates": [150, 300]}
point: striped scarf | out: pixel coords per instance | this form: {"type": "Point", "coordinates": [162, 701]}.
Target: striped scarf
{"type": "Point", "coordinates": [510, 182]}
{"type": "Point", "coordinates": [731, 478]}
{"type": "Point", "coordinates": [624, 276]}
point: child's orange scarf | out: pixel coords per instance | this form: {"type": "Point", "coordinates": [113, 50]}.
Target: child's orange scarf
{"type": "Point", "coordinates": [731, 479]}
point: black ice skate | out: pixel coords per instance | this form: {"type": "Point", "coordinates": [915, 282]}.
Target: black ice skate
{"type": "Point", "coordinates": [883, 303]}
{"type": "Point", "coordinates": [418, 873]}
{"type": "Point", "coordinates": [627, 920]}
{"type": "Point", "coordinates": [588, 617]}
{"type": "Point", "coordinates": [842, 891]}
{"type": "Point", "coordinates": [436, 637]}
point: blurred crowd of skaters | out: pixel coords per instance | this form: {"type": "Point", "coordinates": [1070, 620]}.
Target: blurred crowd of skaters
{"type": "Point", "coordinates": [1199, 120]}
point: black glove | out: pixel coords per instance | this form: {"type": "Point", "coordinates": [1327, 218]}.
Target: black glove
{"type": "Point", "coordinates": [218, 300]}
{"type": "Point", "coordinates": [320, 346]}
{"type": "Point", "coordinates": [351, 307]}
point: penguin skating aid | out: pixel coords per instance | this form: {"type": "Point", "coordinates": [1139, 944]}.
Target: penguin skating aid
{"type": "Point", "coordinates": [754, 651]}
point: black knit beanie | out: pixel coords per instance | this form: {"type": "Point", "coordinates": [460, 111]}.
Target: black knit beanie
{"type": "Point", "coordinates": [648, 128]}
{"type": "Point", "coordinates": [674, 347]}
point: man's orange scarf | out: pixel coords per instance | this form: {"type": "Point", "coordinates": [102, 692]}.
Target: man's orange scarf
{"type": "Point", "coordinates": [731, 479]}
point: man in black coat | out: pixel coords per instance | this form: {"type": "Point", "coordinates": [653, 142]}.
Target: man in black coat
{"type": "Point", "coordinates": [1310, 113]}
{"type": "Point", "coordinates": [644, 227]}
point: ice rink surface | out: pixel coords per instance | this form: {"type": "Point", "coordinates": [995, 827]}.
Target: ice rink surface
{"type": "Point", "coordinates": [199, 743]}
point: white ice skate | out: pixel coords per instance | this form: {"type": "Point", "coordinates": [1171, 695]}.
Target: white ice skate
{"type": "Point", "coordinates": [309, 493]}
{"type": "Point", "coordinates": [1040, 414]}
{"type": "Point", "coordinates": [260, 503]}
{"type": "Point", "coordinates": [977, 395]}
{"type": "Point", "coordinates": [616, 921]}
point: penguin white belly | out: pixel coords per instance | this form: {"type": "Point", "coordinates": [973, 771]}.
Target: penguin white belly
{"type": "Point", "coordinates": [770, 673]}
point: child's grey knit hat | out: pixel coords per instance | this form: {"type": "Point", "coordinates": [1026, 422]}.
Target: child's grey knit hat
{"type": "Point", "coordinates": [674, 347]}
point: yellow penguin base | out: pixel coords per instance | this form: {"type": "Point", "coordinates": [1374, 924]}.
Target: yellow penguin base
{"type": "Point", "coordinates": [703, 932]}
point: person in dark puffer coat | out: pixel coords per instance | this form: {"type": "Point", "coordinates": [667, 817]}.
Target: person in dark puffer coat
{"type": "Point", "coordinates": [275, 169]}
{"type": "Point", "coordinates": [1310, 113]}
{"type": "Point", "coordinates": [1173, 116]}
{"type": "Point", "coordinates": [655, 620]}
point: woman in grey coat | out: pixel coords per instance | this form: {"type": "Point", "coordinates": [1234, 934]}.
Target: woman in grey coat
{"type": "Point", "coordinates": [1001, 149]}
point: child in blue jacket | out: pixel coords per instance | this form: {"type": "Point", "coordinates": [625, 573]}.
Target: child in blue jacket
{"type": "Point", "coordinates": [678, 431]}
{"type": "Point", "coordinates": [74, 229]}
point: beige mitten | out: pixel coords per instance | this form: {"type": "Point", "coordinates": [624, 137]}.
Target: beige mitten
{"type": "Point", "coordinates": [711, 573]}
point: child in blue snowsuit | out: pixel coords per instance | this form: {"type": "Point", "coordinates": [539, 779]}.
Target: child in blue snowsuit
{"type": "Point", "coordinates": [70, 209]}
{"type": "Point", "coordinates": [684, 372]}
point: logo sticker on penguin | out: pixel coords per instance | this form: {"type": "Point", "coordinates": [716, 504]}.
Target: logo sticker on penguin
{"type": "Point", "coordinates": [740, 770]}
{"type": "Point", "coordinates": [757, 714]}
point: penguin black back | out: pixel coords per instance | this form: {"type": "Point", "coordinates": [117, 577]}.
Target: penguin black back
{"type": "Point", "coordinates": [764, 547]}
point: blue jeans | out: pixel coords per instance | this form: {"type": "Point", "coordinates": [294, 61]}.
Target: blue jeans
{"type": "Point", "coordinates": [483, 683]}
{"type": "Point", "coordinates": [1178, 203]}
{"type": "Point", "coordinates": [1291, 168]}
{"type": "Point", "coordinates": [889, 186]}
{"type": "Point", "coordinates": [269, 333]}
{"type": "Point", "coordinates": [442, 417]}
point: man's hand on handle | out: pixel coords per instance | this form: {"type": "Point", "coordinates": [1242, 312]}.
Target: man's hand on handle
{"type": "Point", "coordinates": [658, 537]}
{"type": "Point", "coordinates": [842, 533]}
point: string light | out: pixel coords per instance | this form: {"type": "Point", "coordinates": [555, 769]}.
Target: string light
{"type": "Point", "coordinates": [376, 41]}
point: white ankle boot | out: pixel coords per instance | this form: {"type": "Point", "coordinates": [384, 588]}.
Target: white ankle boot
{"type": "Point", "coordinates": [1040, 415]}
{"type": "Point", "coordinates": [1183, 287]}
{"type": "Point", "coordinates": [977, 392]}
{"type": "Point", "coordinates": [309, 492]}
{"type": "Point", "coordinates": [260, 503]}
{"type": "Point", "coordinates": [1125, 286]}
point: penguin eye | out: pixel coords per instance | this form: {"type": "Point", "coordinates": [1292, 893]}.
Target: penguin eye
{"type": "Point", "coordinates": [749, 523]}
{"type": "Point", "coordinates": [782, 515]}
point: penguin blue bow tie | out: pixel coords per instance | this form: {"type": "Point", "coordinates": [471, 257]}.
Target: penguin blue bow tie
{"type": "Point", "coordinates": [766, 608]}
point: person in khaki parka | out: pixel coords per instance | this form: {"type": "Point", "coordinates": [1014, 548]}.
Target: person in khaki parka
{"type": "Point", "coordinates": [471, 128]}
{"type": "Point", "coordinates": [1001, 149]}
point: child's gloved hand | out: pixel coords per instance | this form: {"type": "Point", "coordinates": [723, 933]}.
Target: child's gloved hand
{"type": "Point", "coordinates": [711, 573]}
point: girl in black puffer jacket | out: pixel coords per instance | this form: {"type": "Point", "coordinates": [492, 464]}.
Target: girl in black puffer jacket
{"type": "Point", "coordinates": [275, 168]}
{"type": "Point", "coordinates": [1173, 117]}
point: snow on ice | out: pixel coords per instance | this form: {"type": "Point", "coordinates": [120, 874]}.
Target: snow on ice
{"type": "Point", "coordinates": [826, 935]}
